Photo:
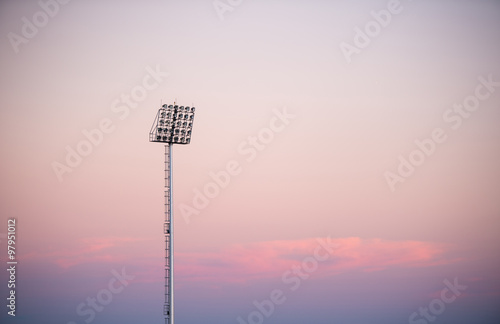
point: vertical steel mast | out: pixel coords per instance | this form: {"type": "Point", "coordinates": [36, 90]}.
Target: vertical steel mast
{"type": "Point", "coordinates": [173, 125]}
{"type": "Point", "coordinates": [168, 229]}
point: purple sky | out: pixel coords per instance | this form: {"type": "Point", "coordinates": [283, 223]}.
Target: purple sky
{"type": "Point", "coordinates": [343, 166]}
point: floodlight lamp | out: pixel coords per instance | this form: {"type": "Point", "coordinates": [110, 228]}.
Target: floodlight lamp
{"type": "Point", "coordinates": [173, 124]}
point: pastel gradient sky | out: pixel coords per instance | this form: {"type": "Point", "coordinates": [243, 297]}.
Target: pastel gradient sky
{"type": "Point", "coordinates": [321, 178]}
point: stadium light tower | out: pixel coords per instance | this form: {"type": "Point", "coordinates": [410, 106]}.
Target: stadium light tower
{"type": "Point", "coordinates": [173, 125]}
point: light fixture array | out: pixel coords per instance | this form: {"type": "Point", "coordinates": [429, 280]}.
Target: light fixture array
{"type": "Point", "coordinates": [173, 124]}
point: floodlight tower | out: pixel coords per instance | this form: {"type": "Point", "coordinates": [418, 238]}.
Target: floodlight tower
{"type": "Point", "coordinates": [173, 125]}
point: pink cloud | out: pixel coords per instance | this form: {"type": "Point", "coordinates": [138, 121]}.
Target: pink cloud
{"type": "Point", "coordinates": [254, 261]}
{"type": "Point", "coordinates": [88, 250]}
{"type": "Point", "coordinates": [271, 259]}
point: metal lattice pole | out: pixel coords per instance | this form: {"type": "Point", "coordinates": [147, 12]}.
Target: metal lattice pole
{"type": "Point", "coordinates": [173, 125]}
{"type": "Point", "coordinates": [168, 307]}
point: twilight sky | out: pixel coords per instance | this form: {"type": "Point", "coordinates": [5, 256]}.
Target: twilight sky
{"type": "Point", "coordinates": [343, 167]}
